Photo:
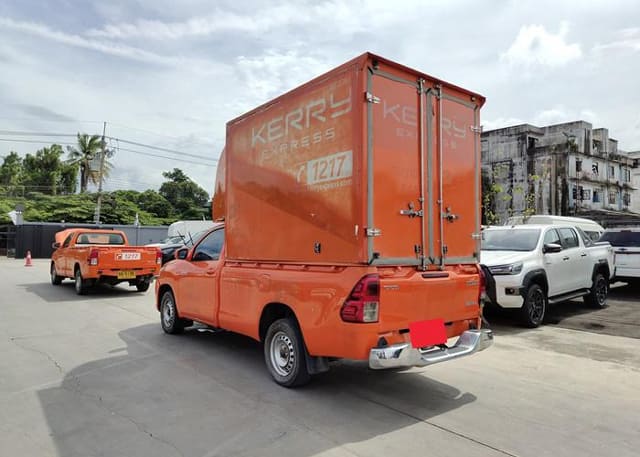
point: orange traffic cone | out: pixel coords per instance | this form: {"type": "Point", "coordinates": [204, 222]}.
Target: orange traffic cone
{"type": "Point", "coordinates": [27, 261]}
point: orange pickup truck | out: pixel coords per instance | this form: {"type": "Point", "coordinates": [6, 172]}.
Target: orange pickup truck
{"type": "Point", "coordinates": [349, 226]}
{"type": "Point", "coordinates": [102, 256]}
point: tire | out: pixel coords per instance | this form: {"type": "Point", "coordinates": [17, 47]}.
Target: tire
{"type": "Point", "coordinates": [81, 285]}
{"type": "Point", "coordinates": [597, 297]}
{"type": "Point", "coordinates": [535, 306]}
{"type": "Point", "coordinates": [143, 285]}
{"type": "Point", "coordinates": [169, 319]}
{"type": "Point", "coordinates": [285, 354]}
{"type": "Point", "coordinates": [55, 279]}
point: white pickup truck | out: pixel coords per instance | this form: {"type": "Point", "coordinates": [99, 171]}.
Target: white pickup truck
{"type": "Point", "coordinates": [534, 265]}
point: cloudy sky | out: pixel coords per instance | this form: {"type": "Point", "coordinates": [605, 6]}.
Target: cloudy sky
{"type": "Point", "coordinates": [169, 74]}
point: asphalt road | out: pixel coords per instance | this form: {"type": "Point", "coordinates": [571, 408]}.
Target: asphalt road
{"type": "Point", "coordinates": [95, 375]}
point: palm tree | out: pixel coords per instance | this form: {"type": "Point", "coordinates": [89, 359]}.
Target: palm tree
{"type": "Point", "coordinates": [85, 156]}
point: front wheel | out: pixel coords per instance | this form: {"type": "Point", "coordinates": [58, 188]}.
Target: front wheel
{"type": "Point", "coordinates": [285, 354]}
{"type": "Point", "coordinates": [169, 319]}
{"type": "Point", "coordinates": [534, 307]}
{"type": "Point", "coordinates": [597, 297]}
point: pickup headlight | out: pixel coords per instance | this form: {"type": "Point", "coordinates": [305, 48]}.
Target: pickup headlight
{"type": "Point", "coordinates": [510, 269]}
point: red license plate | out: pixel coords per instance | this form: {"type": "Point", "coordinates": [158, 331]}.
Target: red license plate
{"type": "Point", "coordinates": [427, 333]}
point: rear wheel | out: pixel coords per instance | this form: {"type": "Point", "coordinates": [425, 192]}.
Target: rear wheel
{"type": "Point", "coordinates": [55, 279]}
{"type": "Point", "coordinates": [534, 307]}
{"type": "Point", "coordinates": [81, 286]}
{"type": "Point", "coordinates": [285, 354]}
{"type": "Point", "coordinates": [143, 285]}
{"type": "Point", "coordinates": [597, 297]}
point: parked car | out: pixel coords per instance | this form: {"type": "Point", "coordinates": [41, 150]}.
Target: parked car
{"type": "Point", "coordinates": [534, 265]}
{"type": "Point", "coordinates": [626, 244]}
{"type": "Point", "coordinates": [171, 244]}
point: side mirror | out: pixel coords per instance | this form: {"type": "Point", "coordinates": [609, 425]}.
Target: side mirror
{"type": "Point", "coordinates": [56, 245]}
{"type": "Point", "coordinates": [551, 248]}
{"type": "Point", "coordinates": [182, 253]}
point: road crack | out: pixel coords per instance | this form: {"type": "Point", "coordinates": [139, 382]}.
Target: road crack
{"type": "Point", "coordinates": [15, 340]}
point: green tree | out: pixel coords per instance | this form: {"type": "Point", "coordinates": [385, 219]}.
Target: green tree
{"type": "Point", "coordinates": [154, 203]}
{"type": "Point", "coordinates": [11, 170]}
{"type": "Point", "coordinates": [86, 155]}
{"type": "Point", "coordinates": [45, 172]}
{"type": "Point", "coordinates": [187, 198]}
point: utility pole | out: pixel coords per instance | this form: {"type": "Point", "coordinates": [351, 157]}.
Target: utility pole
{"type": "Point", "coordinates": [103, 153]}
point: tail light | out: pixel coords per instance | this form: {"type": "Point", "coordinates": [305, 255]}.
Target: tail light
{"type": "Point", "coordinates": [93, 257]}
{"type": "Point", "coordinates": [159, 257]}
{"type": "Point", "coordinates": [364, 301]}
{"type": "Point", "coordinates": [482, 293]}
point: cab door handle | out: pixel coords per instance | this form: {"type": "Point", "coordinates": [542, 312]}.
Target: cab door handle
{"type": "Point", "coordinates": [565, 258]}
{"type": "Point", "coordinates": [583, 255]}
{"type": "Point", "coordinates": [211, 272]}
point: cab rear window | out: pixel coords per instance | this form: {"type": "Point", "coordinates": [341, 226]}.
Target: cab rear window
{"type": "Point", "coordinates": [622, 238]}
{"type": "Point", "coordinates": [100, 238]}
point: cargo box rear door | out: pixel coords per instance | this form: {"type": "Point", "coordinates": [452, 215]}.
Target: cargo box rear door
{"type": "Point", "coordinates": [423, 157]}
{"type": "Point", "coordinates": [395, 180]}
{"type": "Point", "coordinates": [454, 138]}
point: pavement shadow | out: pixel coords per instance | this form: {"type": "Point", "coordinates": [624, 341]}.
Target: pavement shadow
{"type": "Point", "coordinates": [65, 292]}
{"type": "Point", "coordinates": [205, 393]}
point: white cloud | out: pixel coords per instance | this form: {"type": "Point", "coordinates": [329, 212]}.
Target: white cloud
{"type": "Point", "coordinates": [106, 47]}
{"type": "Point", "coordinates": [627, 39]}
{"type": "Point", "coordinates": [534, 45]}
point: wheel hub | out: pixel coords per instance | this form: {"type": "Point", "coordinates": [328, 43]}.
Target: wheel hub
{"type": "Point", "coordinates": [282, 354]}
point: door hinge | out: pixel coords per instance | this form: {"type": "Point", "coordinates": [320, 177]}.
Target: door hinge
{"type": "Point", "coordinates": [373, 232]}
{"type": "Point", "coordinates": [369, 97]}
{"type": "Point", "coordinates": [476, 128]}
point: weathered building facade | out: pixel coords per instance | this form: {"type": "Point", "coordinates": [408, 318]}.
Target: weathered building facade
{"type": "Point", "coordinates": [563, 169]}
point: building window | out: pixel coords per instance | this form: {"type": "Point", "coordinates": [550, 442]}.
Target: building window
{"type": "Point", "coordinates": [612, 172]}
{"type": "Point", "coordinates": [578, 166]}
{"type": "Point", "coordinates": [585, 194]}
{"type": "Point", "coordinates": [594, 168]}
{"type": "Point", "coordinates": [626, 177]}
{"type": "Point", "coordinates": [596, 196]}
{"type": "Point", "coordinates": [612, 198]}
{"type": "Point", "coordinates": [626, 199]}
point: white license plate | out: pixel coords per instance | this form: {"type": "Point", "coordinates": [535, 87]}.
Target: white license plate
{"type": "Point", "coordinates": [128, 256]}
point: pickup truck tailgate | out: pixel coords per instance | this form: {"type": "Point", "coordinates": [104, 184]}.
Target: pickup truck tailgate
{"type": "Point", "coordinates": [408, 296]}
{"type": "Point", "coordinates": [133, 258]}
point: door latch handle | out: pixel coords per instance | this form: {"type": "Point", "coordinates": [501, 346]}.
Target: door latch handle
{"type": "Point", "coordinates": [449, 215]}
{"type": "Point", "coordinates": [583, 255]}
{"type": "Point", "coordinates": [565, 258]}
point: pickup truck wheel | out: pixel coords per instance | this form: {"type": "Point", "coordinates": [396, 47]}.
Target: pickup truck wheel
{"type": "Point", "coordinates": [169, 319]}
{"type": "Point", "coordinates": [81, 286]}
{"type": "Point", "coordinates": [534, 307]}
{"type": "Point", "coordinates": [143, 285]}
{"type": "Point", "coordinates": [285, 354]}
{"type": "Point", "coordinates": [597, 297]}
{"type": "Point", "coordinates": [55, 279]}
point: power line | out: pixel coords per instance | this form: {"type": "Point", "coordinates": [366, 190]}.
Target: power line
{"type": "Point", "coordinates": [122, 140]}
{"type": "Point", "coordinates": [171, 151]}
{"type": "Point", "coordinates": [62, 143]}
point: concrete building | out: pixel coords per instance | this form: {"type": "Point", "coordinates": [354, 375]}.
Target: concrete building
{"type": "Point", "coordinates": [564, 169]}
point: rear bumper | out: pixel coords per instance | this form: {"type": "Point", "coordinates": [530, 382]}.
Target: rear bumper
{"type": "Point", "coordinates": [404, 356]}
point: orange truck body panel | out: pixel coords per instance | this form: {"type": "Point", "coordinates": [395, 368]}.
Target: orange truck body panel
{"type": "Point", "coordinates": [371, 168]}
{"type": "Point", "coordinates": [114, 256]}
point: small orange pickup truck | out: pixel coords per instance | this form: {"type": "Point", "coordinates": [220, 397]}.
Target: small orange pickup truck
{"type": "Point", "coordinates": [348, 226]}
{"type": "Point", "coordinates": [102, 256]}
